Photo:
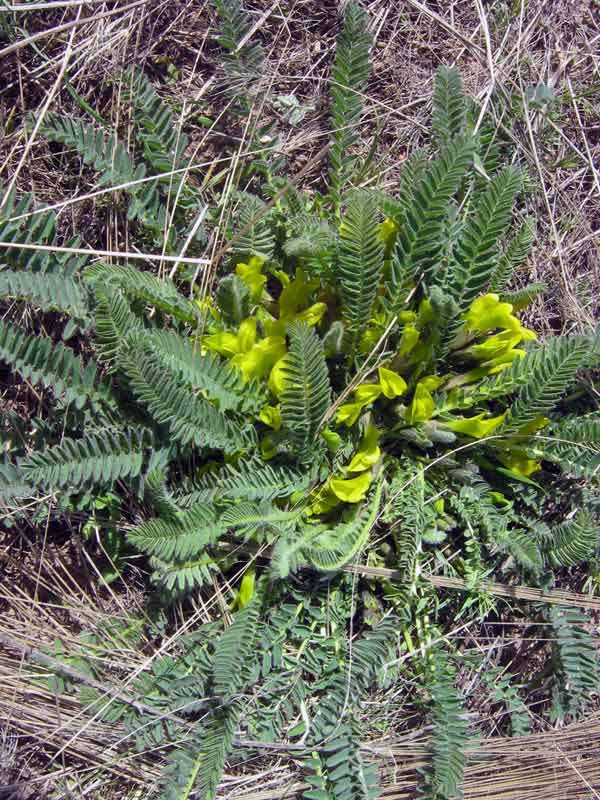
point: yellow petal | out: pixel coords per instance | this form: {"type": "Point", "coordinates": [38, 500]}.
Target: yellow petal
{"type": "Point", "coordinates": [324, 501]}
{"type": "Point", "coordinates": [535, 425]}
{"type": "Point", "coordinates": [271, 416]}
{"type": "Point", "coordinates": [351, 490]}
{"type": "Point", "coordinates": [431, 382]}
{"type": "Point", "coordinates": [251, 274]}
{"type": "Point", "coordinates": [505, 359]}
{"type": "Point", "coordinates": [406, 316]}
{"type": "Point", "coordinates": [334, 440]}
{"type": "Point", "coordinates": [499, 499]}
{"type": "Point", "coordinates": [245, 592]}
{"type": "Point", "coordinates": [282, 276]}
{"type": "Point", "coordinates": [349, 413]}
{"type": "Point", "coordinates": [495, 346]}
{"type": "Point", "coordinates": [477, 426]}
{"type": "Point", "coordinates": [296, 294]}
{"type": "Point", "coordinates": [312, 315]}
{"type": "Point", "coordinates": [277, 378]}
{"type": "Point", "coordinates": [246, 334]}
{"type": "Point", "coordinates": [224, 343]}
{"type": "Point", "coordinates": [367, 393]}
{"type": "Point", "coordinates": [410, 337]}
{"type": "Point", "coordinates": [387, 229]}
{"type": "Point", "coordinates": [208, 304]}
{"type": "Point", "coordinates": [426, 312]}
{"type": "Point", "coordinates": [258, 362]}
{"type": "Point", "coordinates": [268, 449]}
{"type": "Point", "coordinates": [422, 406]}
{"type": "Point", "coordinates": [369, 452]}
{"type": "Point", "coordinates": [392, 384]}
{"type": "Point", "coordinates": [518, 461]}
{"type": "Point", "coordinates": [488, 313]}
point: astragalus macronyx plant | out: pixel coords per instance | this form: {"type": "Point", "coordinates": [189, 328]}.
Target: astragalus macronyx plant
{"type": "Point", "coordinates": [360, 367]}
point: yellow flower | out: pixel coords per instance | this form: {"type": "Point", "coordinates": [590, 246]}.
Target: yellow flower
{"type": "Point", "coordinates": [351, 490]}
{"type": "Point", "coordinates": [271, 416]}
{"type": "Point", "coordinates": [367, 393]}
{"type": "Point", "coordinates": [311, 315]}
{"type": "Point", "coordinates": [246, 334]}
{"type": "Point", "coordinates": [324, 500]}
{"type": "Point", "coordinates": [487, 313]}
{"type": "Point", "coordinates": [334, 440]}
{"type": "Point", "coordinates": [254, 359]}
{"type": "Point", "coordinates": [208, 304]}
{"type": "Point", "coordinates": [410, 337]}
{"type": "Point", "coordinates": [426, 313]}
{"type": "Point", "coordinates": [364, 395]}
{"type": "Point", "coordinates": [349, 413]}
{"type": "Point", "coordinates": [392, 385]}
{"type": "Point", "coordinates": [478, 427]}
{"type": "Point", "coordinates": [518, 461]}
{"type": "Point", "coordinates": [387, 230]}
{"type": "Point", "coordinates": [258, 361]}
{"type": "Point", "coordinates": [422, 406]}
{"type": "Point", "coordinates": [295, 294]}
{"type": "Point", "coordinates": [251, 274]}
{"type": "Point", "coordinates": [277, 377]}
{"type": "Point", "coordinates": [268, 448]}
{"type": "Point", "coordinates": [431, 382]}
{"type": "Point", "coordinates": [501, 344]}
{"type": "Point", "coordinates": [406, 316]}
{"type": "Point", "coordinates": [368, 453]}
{"type": "Point", "coordinates": [245, 592]}
{"type": "Point", "coordinates": [224, 343]}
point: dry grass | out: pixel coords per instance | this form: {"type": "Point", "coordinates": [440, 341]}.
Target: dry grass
{"type": "Point", "coordinates": [51, 588]}
{"type": "Point", "coordinates": [50, 742]}
{"type": "Point", "coordinates": [502, 47]}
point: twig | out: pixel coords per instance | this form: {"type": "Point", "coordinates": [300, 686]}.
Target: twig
{"type": "Point", "coordinates": [554, 596]}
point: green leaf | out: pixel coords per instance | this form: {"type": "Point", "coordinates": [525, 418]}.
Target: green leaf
{"type": "Point", "coordinates": [196, 765]}
{"type": "Point", "coordinates": [49, 292]}
{"type": "Point", "coordinates": [233, 299]}
{"type": "Point", "coordinates": [573, 541]}
{"type": "Point", "coordinates": [420, 239]}
{"type": "Point", "coordinates": [450, 732]}
{"type": "Point", "coordinates": [40, 360]}
{"type": "Point", "coordinates": [115, 322]}
{"type": "Point", "coordinates": [250, 479]}
{"type": "Point", "coordinates": [575, 446]}
{"type": "Point", "coordinates": [576, 658]}
{"type": "Point", "coordinates": [349, 75]}
{"type": "Point", "coordinates": [203, 371]}
{"type": "Point", "coordinates": [360, 265]}
{"type": "Point", "coordinates": [306, 390]}
{"type": "Point", "coordinates": [94, 460]}
{"type": "Point", "coordinates": [109, 156]}
{"type": "Point", "coordinates": [236, 647]}
{"type": "Point", "coordinates": [515, 254]}
{"type": "Point", "coordinates": [162, 294]}
{"type": "Point", "coordinates": [191, 418]}
{"type": "Point", "coordinates": [183, 538]}
{"type": "Point", "coordinates": [476, 251]}
{"type": "Point", "coordinates": [552, 370]}
{"type": "Point", "coordinates": [253, 235]}
{"type": "Point", "coordinates": [449, 107]}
